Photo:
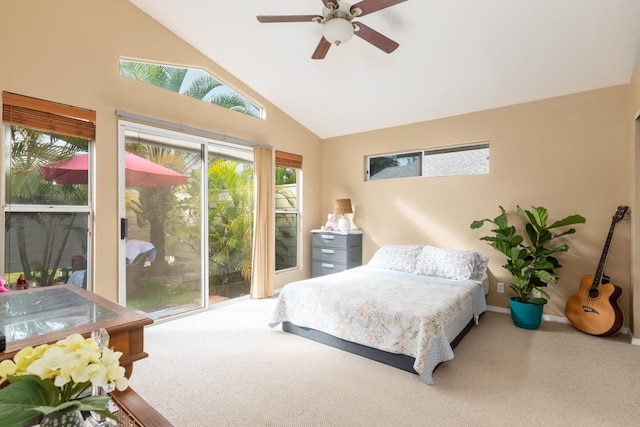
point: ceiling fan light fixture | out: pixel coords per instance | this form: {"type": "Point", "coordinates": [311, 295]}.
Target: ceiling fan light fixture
{"type": "Point", "coordinates": [338, 31]}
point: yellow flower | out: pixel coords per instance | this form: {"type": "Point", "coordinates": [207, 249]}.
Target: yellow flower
{"type": "Point", "coordinates": [7, 367]}
{"type": "Point", "coordinates": [115, 372]}
{"type": "Point", "coordinates": [48, 366]}
{"type": "Point", "coordinates": [123, 382]}
{"type": "Point", "coordinates": [72, 340]}
{"type": "Point", "coordinates": [26, 356]}
{"type": "Point", "coordinates": [72, 365]}
{"type": "Point", "coordinates": [97, 375]}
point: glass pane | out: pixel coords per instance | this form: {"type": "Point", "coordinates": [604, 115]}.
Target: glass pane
{"type": "Point", "coordinates": [46, 169]}
{"type": "Point", "coordinates": [286, 240]}
{"type": "Point", "coordinates": [47, 248]}
{"type": "Point", "coordinates": [190, 82]}
{"type": "Point", "coordinates": [286, 218]}
{"type": "Point", "coordinates": [230, 185]}
{"type": "Point", "coordinates": [460, 161]}
{"type": "Point", "coordinates": [286, 189]}
{"type": "Point", "coordinates": [395, 166]}
{"type": "Point", "coordinates": [163, 261]}
{"type": "Point", "coordinates": [28, 314]}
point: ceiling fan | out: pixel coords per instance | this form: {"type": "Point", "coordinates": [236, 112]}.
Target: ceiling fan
{"type": "Point", "coordinates": [337, 18]}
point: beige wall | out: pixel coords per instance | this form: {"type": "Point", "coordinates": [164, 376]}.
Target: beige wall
{"type": "Point", "coordinates": [68, 52]}
{"type": "Point", "coordinates": [634, 159]}
{"type": "Point", "coordinates": [569, 154]}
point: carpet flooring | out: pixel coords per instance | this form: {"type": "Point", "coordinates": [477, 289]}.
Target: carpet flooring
{"type": "Point", "coordinates": [226, 367]}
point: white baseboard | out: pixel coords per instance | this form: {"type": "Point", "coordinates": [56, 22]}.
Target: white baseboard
{"type": "Point", "coordinates": [498, 309]}
{"type": "Point", "coordinates": [562, 319]}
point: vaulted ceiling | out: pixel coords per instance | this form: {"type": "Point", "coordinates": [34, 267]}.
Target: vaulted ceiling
{"type": "Point", "coordinates": [455, 56]}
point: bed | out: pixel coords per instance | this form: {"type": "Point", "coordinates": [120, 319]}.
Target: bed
{"type": "Point", "coordinates": [408, 307]}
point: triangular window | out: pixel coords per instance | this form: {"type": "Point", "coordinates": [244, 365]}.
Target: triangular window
{"type": "Point", "coordinates": [191, 82]}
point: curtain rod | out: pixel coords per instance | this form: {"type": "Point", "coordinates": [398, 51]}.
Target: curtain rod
{"type": "Point", "coordinates": [189, 129]}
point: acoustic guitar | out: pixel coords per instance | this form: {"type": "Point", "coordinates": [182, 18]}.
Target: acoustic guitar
{"type": "Point", "coordinates": [594, 309]}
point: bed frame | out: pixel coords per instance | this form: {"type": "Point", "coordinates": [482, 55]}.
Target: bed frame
{"type": "Point", "coordinates": [400, 361]}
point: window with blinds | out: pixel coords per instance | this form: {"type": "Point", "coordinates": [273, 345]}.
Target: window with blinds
{"type": "Point", "coordinates": [46, 213]}
{"type": "Point", "coordinates": [288, 169]}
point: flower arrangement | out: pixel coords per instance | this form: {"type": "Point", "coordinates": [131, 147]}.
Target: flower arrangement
{"type": "Point", "coordinates": [58, 377]}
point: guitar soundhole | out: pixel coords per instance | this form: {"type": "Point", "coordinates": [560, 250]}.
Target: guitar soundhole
{"type": "Point", "coordinates": [594, 293]}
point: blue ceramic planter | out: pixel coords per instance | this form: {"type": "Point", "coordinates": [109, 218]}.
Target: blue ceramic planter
{"type": "Point", "coordinates": [526, 316]}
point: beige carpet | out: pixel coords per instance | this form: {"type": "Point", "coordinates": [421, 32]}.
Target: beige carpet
{"type": "Point", "coordinates": [226, 367]}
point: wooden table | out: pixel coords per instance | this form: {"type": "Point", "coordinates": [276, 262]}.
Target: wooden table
{"type": "Point", "coordinates": [136, 412]}
{"type": "Point", "coordinates": [45, 315]}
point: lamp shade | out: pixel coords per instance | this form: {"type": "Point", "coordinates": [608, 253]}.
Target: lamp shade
{"type": "Point", "coordinates": [338, 31]}
{"type": "Point", "coordinates": [343, 206]}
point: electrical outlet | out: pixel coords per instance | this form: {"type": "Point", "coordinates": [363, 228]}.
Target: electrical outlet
{"type": "Point", "coordinates": [500, 288]}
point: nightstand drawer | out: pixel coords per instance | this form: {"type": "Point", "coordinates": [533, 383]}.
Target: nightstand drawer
{"type": "Point", "coordinates": [331, 240]}
{"type": "Point", "coordinates": [320, 268]}
{"type": "Point", "coordinates": [336, 255]}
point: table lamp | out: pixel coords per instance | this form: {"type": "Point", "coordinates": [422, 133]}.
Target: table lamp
{"type": "Point", "coordinates": [342, 207]}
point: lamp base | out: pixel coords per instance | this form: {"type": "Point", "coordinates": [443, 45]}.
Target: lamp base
{"type": "Point", "coordinates": [344, 224]}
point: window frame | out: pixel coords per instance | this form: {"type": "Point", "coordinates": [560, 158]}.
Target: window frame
{"type": "Point", "coordinates": [49, 118]}
{"type": "Point", "coordinates": [423, 154]}
{"type": "Point", "coordinates": [222, 90]}
{"type": "Point", "coordinates": [290, 161]}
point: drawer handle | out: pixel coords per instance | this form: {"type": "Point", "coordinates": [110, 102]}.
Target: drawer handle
{"type": "Point", "coordinates": [328, 251]}
{"type": "Point", "coordinates": [325, 265]}
{"type": "Point", "coordinates": [327, 237]}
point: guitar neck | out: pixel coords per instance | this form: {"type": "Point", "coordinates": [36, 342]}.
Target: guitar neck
{"type": "Point", "coordinates": [603, 260]}
{"type": "Point", "coordinates": [597, 279]}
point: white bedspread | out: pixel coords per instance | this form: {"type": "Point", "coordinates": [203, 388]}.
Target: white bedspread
{"type": "Point", "coordinates": [388, 310]}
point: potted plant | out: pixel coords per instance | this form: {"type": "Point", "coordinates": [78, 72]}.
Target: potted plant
{"type": "Point", "coordinates": [54, 381]}
{"type": "Point", "coordinates": [532, 266]}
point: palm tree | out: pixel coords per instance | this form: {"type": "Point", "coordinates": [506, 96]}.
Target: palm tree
{"type": "Point", "coordinates": [30, 150]}
{"type": "Point", "coordinates": [156, 205]}
{"type": "Point", "coordinates": [191, 82]}
{"type": "Point", "coordinates": [230, 217]}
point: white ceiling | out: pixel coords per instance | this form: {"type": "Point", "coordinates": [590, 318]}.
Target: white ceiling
{"type": "Point", "coordinates": [455, 56]}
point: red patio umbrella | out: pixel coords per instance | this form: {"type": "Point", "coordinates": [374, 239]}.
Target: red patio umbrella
{"type": "Point", "coordinates": [138, 172]}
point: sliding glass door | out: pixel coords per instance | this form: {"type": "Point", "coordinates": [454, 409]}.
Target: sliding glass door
{"type": "Point", "coordinates": [175, 259]}
{"type": "Point", "coordinates": [230, 223]}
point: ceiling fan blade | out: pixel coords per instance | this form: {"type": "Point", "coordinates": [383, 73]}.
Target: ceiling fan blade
{"type": "Point", "coordinates": [375, 38]}
{"type": "Point", "coordinates": [321, 49]}
{"type": "Point", "coordinates": [288, 18]}
{"type": "Point", "coordinates": [370, 6]}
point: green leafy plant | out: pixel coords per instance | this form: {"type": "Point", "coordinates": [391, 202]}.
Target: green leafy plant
{"type": "Point", "coordinates": [532, 266]}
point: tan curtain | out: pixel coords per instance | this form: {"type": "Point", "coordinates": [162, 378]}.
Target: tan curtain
{"type": "Point", "coordinates": [264, 265]}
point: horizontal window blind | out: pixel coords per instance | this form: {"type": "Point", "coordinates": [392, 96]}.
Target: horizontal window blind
{"type": "Point", "coordinates": [48, 116]}
{"type": "Point", "coordinates": [288, 160]}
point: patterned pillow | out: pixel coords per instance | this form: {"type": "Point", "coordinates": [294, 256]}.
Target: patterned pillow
{"type": "Point", "coordinates": [396, 257]}
{"type": "Point", "coordinates": [480, 269]}
{"type": "Point", "coordinates": [450, 263]}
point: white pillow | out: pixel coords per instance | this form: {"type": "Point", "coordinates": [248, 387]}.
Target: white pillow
{"type": "Point", "coordinates": [396, 257]}
{"type": "Point", "coordinates": [450, 263]}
